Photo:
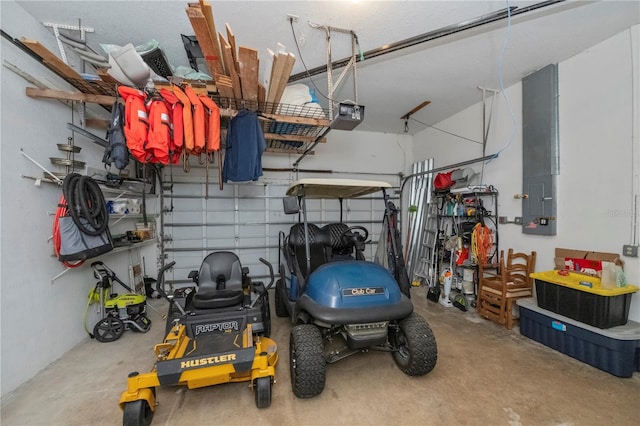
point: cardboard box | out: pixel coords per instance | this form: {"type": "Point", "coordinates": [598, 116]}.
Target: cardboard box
{"type": "Point", "coordinates": [585, 262]}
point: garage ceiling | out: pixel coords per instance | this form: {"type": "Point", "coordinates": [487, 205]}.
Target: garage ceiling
{"type": "Point", "coordinates": [448, 70]}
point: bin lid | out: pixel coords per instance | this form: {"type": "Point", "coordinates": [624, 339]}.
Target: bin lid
{"type": "Point", "coordinates": [629, 331]}
{"type": "Point", "coordinates": [573, 281]}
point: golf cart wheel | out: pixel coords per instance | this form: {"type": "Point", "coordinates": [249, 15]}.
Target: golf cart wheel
{"type": "Point", "coordinates": [108, 329]}
{"type": "Point", "coordinates": [137, 413]}
{"type": "Point", "coordinates": [308, 367]}
{"type": "Point", "coordinates": [281, 308]}
{"type": "Point", "coordinates": [416, 350]}
{"type": "Point", "coordinates": [262, 391]}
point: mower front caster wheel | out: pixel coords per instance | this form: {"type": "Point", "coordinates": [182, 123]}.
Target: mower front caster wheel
{"type": "Point", "coordinates": [262, 391]}
{"type": "Point", "coordinates": [137, 413]}
{"type": "Point", "coordinates": [108, 329]}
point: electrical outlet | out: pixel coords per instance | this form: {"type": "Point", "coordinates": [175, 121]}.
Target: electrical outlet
{"type": "Point", "coordinates": [292, 18]}
{"type": "Point", "coordinates": [502, 220]}
{"type": "Point", "coordinates": [543, 221]}
{"type": "Point", "coordinates": [518, 220]}
{"type": "Point", "coordinates": [630, 250]}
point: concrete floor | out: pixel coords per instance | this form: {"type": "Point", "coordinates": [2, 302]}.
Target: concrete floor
{"type": "Point", "coordinates": [485, 375]}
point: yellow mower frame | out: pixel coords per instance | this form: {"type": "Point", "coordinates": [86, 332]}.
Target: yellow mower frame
{"type": "Point", "coordinates": [253, 360]}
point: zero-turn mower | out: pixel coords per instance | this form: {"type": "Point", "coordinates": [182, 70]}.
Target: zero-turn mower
{"type": "Point", "coordinates": [217, 332]}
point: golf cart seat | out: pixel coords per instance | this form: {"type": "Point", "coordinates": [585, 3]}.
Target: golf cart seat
{"type": "Point", "coordinates": [341, 248]}
{"type": "Point", "coordinates": [318, 244]}
{"type": "Point", "coordinates": [221, 280]}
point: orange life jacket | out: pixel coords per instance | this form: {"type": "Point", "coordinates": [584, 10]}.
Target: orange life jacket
{"type": "Point", "coordinates": [159, 135]}
{"type": "Point", "coordinates": [213, 123]}
{"type": "Point", "coordinates": [187, 119]}
{"type": "Point", "coordinates": [136, 121]}
{"type": "Point", "coordinates": [198, 120]}
{"type": "Point", "coordinates": [177, 132]}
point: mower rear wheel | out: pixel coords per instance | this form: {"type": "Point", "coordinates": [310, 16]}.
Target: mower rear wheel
{"type": "Point", "coordinates": [137, 413]}
{"type": "Point", "coordinates": [108, 329]}
{"type": "Point", "coordinates": [308, 366]}
{"type": "Point", "coordinates": [262, 391]}
{"type": "Point", "coordinates": [281, 308]}
{"type": "Point", "coordinates": [416, 350]}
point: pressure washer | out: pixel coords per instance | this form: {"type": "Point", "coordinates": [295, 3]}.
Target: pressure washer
{"type": "Point", "coordinates": [118, 312]}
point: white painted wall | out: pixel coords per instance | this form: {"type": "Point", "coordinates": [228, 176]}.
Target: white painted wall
{"type": "Point", "coordinates": [40, 320]}
{"type": "Point", "coordinates": [597, 180]}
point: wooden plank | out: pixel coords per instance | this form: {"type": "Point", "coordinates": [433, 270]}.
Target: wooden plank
{"type": "Point", "coordinates": [284, 78]}
{"type": "Point", "coordinates": [292, 138]}
{"type": "Point", "coordinates": [105, 76]}
{"type": "Point", "coordinates": [416, 109]}
{"type": "Point", "coordinates": [201, 28]}
{"type": "Point", "coordinates": [55, 63]}
{"type": "Point", "coordinates": [228, 59]}
{"type": "Point", "coordinates": [279, 62]}
{"type": "Point", "coordinates": [262, 96]}
{"type": "Point", "coordinates": [232, 42]}
{"type": "Point", "coordinates": [249, 65]}
{"type": "Point", "coordinates": [319, 122]}
{"type": "Point", "coordinates": [33, 92]}
{"type": "Point", "coordinates": [207, 11]}
{"type": "Point", "coordinates": [288, 151]}
{"type": "Point", "coordinates": [225, 86]}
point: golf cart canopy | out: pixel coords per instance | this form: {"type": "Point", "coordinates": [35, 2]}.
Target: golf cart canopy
{"type": "Point", "coordinates": [335, 188]}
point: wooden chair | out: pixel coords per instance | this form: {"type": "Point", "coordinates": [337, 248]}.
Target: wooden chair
{"type": "Point", "coordinates": [497, 292]}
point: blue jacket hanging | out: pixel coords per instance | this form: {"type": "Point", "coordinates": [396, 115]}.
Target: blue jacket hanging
{"type": "Point", "coordinates": [245, 144]}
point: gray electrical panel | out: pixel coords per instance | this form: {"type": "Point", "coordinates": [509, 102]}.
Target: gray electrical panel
{"type": "Point", "coordinates": [540, 151]}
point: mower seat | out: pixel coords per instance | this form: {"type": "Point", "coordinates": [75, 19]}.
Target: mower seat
{"type": "Point", "coordinates": [220, 281]}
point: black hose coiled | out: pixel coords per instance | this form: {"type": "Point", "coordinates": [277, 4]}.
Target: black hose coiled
{"type": "Point", "coordinates": [86, 204]}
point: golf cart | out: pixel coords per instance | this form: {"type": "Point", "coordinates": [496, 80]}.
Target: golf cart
{"type": "Point", "coordinates": [339, 303]}
{"type": "Point", "coordinates": [217, 332]}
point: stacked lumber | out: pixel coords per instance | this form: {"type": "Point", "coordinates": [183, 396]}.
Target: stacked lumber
{"type": "Point", "coordinates": [280, 72]}
{"type": "Point", "coordinates": [235, 69]}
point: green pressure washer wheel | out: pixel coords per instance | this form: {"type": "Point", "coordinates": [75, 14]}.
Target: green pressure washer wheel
{"type": "Point", "coordinates": [108, 329]}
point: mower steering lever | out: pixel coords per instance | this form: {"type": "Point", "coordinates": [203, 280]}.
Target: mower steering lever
{"type": "Point", "coordinates": [160, 282]}
{"type": "Point", "coordinates": [266, 289]}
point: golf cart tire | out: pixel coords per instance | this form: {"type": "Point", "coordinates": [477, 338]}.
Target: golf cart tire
{"type": "Point", "coordinates": [307, 364]}
{"type": "Point", "coordinates": [137, 413]}
{"type": "Point", "coordinates": [281, 308]}
{"type": "Point", "coordinates": [262, 391]}
{"type": "Point", "coordinates": [417, 352]}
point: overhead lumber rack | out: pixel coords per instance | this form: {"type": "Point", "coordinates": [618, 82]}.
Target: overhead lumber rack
{"type": "Point", "coordinates": [287, 128]}
{"type": "Point", "coordinates": [287, 131]}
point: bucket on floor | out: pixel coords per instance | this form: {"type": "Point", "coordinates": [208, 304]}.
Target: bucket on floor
{"type": "Point", "coordinates": [467, 287]}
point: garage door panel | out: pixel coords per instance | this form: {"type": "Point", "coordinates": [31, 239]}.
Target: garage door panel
{"type": "Point", "coordinates": [247, 220]}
